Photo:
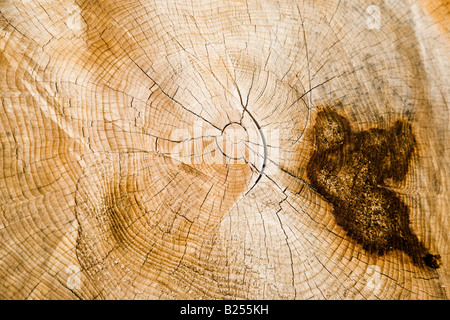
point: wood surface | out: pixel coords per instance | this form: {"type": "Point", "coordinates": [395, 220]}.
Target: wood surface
{"type": "Point", "coordinates": [160, 149]}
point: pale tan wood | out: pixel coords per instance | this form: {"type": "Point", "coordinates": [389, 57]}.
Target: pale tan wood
{"type": "Point", "coordinates": [98, 99]}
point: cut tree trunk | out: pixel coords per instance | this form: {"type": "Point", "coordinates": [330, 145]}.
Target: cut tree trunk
{"type": "Point", "coordinates": [224, 149]}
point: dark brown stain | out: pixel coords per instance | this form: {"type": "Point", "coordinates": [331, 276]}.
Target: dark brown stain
{"type": "Point", "coordinates": [350, 170]}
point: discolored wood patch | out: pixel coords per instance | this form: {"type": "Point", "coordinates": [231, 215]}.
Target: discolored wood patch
{"type": "Point", "coordinates": [350, 169]}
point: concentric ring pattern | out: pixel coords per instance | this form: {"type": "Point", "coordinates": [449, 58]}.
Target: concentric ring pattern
{"type": "Point", "coordinates": [160, 147]}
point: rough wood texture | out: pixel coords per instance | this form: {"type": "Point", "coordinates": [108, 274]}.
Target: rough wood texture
{"type": "Point", "coordinates": [159, 149]}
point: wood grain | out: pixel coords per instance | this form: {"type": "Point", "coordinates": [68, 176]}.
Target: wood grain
{"type": "Point", "coordinates": [118, 179]}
